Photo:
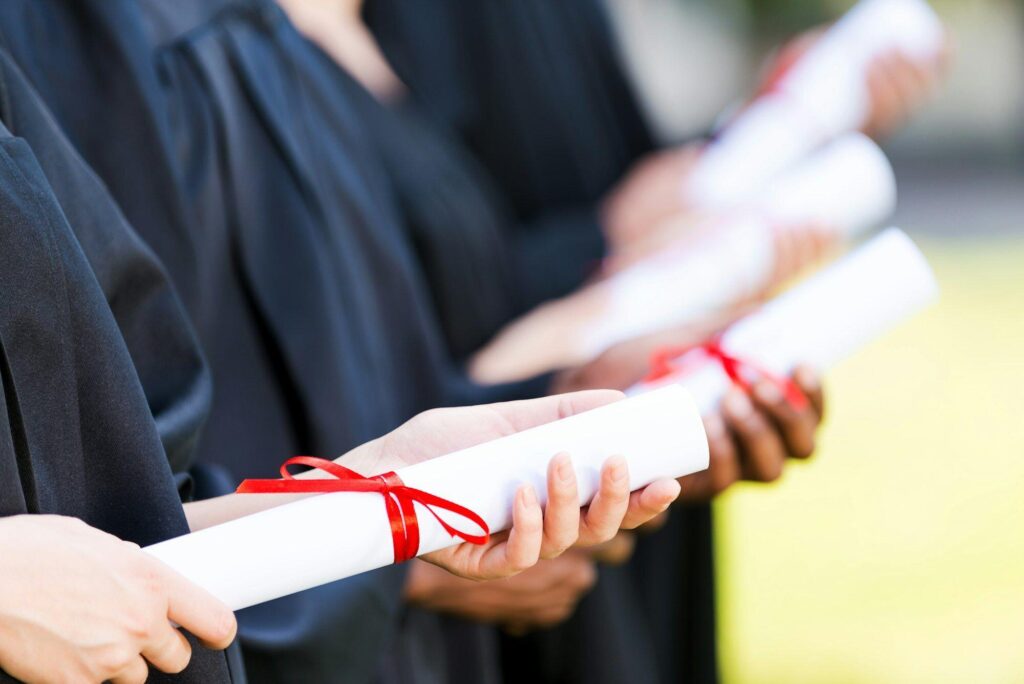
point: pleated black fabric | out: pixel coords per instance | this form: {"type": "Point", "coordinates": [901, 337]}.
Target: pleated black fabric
{"type": "Point", "coordinates": [459, 227]}
{"type": "Point", "coordinates": [275, 154]}
{"type": "Point", "coordinates": [179, 399]}
{"type": "Point", "coordinates": [535, 90]}
{"type": "Point", "coordinates": [305, 291]}
{"type": "Point", "coordinates": [89, 61]}
{"type": "Point", "coordinates": [456, 222]}
{"type": "Point", "coordinates": [534, 87]}
{"type": "Point", "coordinates": [460, 230]}
{"type": "Point", "coordinates": [89, 328]}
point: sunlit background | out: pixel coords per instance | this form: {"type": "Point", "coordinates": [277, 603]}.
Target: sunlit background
{"type": "Point", "coordinates": [898, 554]}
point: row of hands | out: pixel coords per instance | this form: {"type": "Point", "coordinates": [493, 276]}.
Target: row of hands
{"type": "Point", "coordinates": [751, 439]}
{"type": "Point", "coordinates": [80, 605]}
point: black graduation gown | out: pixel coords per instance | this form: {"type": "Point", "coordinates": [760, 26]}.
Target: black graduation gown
{"type": "Point", "coordinates": [307, 299]}
{"type": "Point", "coordinates": [89, 329]}
{"type": "Point", "coordinates": [276, 157]}
{"type": "Point", "coordinates": [535, 91]}
{"type": "Point", "coordinates": [455, 221]}
{"type": "Point", "coordinates": [459, 228]}
{"type": "Point", "coordinates": [180, 399]}
{"type": "Point", "coordinates": [534, 88]}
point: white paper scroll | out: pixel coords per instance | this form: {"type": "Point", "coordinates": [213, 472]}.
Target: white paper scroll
{"type": "Point", "coordinates": [332, 536]}
{"type": "Point", "coordinates": [822, 96]}
{"type": "Point", "coordinates": [824, 319]}
{"type": "Point", "coordinates": [848, 187]}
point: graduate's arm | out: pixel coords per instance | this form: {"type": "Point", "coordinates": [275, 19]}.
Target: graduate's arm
{"type": "Point", "coordinates": [79, 605]}
{"type": "Point", "coordinates": [548, 337]}
{"type": "Point", "coordinates": [535, 533]}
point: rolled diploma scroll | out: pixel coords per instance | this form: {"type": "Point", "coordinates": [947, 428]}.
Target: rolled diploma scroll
{"type": "Point", "coordinates": [824, 319]}
{"type": "Point", "coordinates": [328, 537]}
{"type": "Point", "coordinates": [848, 186]}
{"type": "Point", "coordinates": [823, 95]}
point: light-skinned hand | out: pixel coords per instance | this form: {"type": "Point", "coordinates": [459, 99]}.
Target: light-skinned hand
{"type": "Point", "coordinates": [897, 85]}
{"type": "Point", "coordinates": [79, 605]}
{"type": "Point", "coordinates": [535, 534]}
{"type": "Point", "coordinates": [651, 193]}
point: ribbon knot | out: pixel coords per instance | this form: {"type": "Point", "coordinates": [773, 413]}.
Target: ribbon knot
{"type": "Point", "coordinates": [741, 372]}
{"type": "Point", "coordinates": [399, 500]}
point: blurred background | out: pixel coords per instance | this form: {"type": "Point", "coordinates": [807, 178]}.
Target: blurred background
{"type": "Point", "coordinates": [898, 554]}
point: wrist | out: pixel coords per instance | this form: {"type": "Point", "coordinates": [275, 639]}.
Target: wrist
{"type": "Point", "coordinates": [363, 461]}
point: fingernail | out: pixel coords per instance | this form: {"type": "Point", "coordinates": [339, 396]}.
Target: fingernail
{"type": "Point", "coordinates": [564, 470]}
{"type": "Point", "coordinates": [529, 496]}
{"type": "Point", "coordinates": [808, 378]}
{"type": "Point", "coordinates": [713, 427]}
{"type": "Point", "coordinates": [618, 470]}
{"type": "Point", "coordinates": [738, 404]}
{"type": "Point", "coordinates": [768, 392]}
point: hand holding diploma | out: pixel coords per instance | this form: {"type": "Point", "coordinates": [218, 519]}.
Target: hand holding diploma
{"type": "Point", "coordinates": [845, 188]}
{"type": "Point", "coordinates": [865, 72]}
{"type": "Point", "coordinates": [818, 322]}
{"type": "Point", "coordinates": [750, 438]}
{"type": "Point", "coordinates": [534, 535]}
{"type": "Point", "coordinates": [105, 611]}
{"type": "Point", "coordinates": [322, 538]}
{"type": "Point", "coordinates": [897, 83]}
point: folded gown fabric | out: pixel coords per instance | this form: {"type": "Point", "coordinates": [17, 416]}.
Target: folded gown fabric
{"type": "Point", "coordinates": [88, 326]}
{"type": "Point", "coordinates": [267, 125]}
{"type": "Point", "coordinates": [535, 90]}
{"type": "Point", "coordinates": [297, 275]}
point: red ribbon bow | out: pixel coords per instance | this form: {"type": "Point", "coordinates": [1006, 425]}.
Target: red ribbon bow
{"type": "Point", "coordinates": [740, 371]}
{"type": "Point", "coordinates": [398, 499]}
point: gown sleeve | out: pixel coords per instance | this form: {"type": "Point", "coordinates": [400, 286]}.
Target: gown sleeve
{"type": "Point", "coordinates": [146, 307]}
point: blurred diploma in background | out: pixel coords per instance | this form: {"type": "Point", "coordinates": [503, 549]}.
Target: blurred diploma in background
{"type": "Point", "coordinates": [911, 520]}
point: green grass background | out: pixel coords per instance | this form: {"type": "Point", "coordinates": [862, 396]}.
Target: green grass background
{"type": "Point", "coordinates": [897, 555]}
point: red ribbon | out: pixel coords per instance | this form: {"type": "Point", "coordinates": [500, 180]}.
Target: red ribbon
{"type": "Point", "coordinates": [398, 499]}
{"type": "Point", "coordinates": [739, 370]}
